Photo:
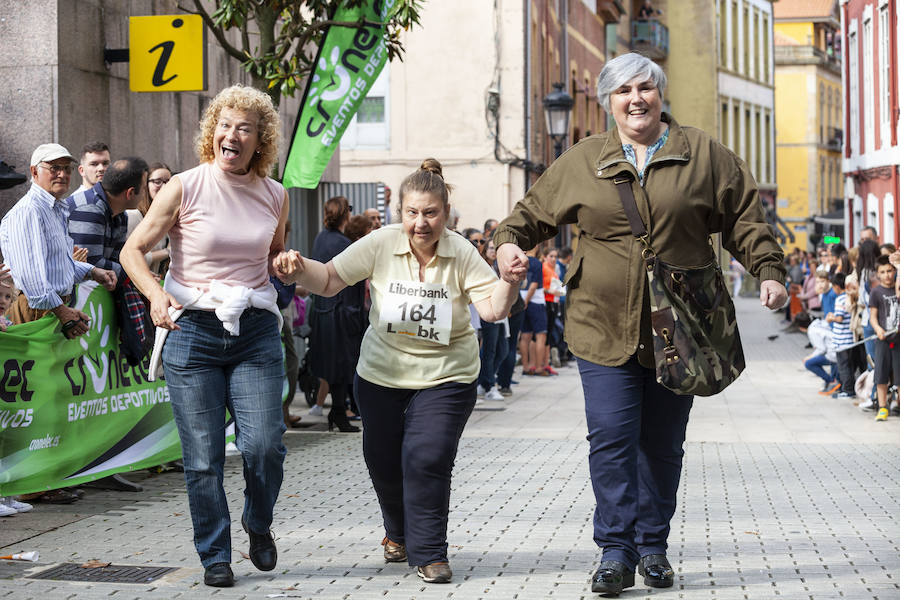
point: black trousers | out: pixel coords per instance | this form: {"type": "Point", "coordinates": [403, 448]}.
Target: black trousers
{"type": "Point", "coordinates": [849, 362]}
{"type": "Point", "coordinates": [636, 430]}
{"type": "Point", "coordinates": [410, 438]}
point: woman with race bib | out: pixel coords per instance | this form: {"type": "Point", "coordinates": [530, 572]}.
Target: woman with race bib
{"type": "Point", "coordinates": [415, 382]}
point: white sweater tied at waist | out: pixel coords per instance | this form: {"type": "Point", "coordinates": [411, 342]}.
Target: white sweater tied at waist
{"type": "Point", "coordinates": [228, 301]}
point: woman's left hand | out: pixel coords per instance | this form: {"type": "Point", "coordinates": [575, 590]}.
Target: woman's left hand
{"type": "Point", "coordinates": [772, 294]}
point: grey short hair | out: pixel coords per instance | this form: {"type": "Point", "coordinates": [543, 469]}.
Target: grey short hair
{"type": "Point", "coordinates": [623, 69]}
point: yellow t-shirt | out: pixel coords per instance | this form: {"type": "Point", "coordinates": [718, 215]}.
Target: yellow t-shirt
{"type": "Point", "coordinates": [419, 334]}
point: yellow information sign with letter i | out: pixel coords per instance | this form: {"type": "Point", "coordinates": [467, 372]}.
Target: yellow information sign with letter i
{"type": "Point", "coordinates": [167, 53]}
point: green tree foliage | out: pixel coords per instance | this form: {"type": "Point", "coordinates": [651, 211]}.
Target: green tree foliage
{"type": "Point", "coordinates": [279, 39]}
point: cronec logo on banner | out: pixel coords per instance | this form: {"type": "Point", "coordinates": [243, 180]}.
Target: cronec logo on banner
{"type": "Point", "coordinates": [321, 89]}
{"type": "Point", "coordinates": [101, 359]}
{"type": "Point", "coordinates": [332, 80]}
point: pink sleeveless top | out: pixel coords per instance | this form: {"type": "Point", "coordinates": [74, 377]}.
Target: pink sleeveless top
{"type": "Point", "coordinates": [224, 228]}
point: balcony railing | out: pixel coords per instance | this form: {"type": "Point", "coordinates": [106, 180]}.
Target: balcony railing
{"type": "Point", "coordinates": [650, 38]}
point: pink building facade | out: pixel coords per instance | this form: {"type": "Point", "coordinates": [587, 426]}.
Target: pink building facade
{"type": "Point", "coordinates": [871, 153]}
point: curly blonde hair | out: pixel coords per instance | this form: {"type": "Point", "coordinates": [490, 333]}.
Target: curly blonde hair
{"type": "Point", "coordinates": [249, 99]}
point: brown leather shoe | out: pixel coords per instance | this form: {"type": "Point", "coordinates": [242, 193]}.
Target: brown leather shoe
{"type": "Point", "coordinates": [393, 552]}
{"type": "Point", "coordinates": [438, 572]}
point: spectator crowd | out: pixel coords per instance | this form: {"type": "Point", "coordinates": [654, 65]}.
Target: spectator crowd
{"type": "Point", "coordinates": [846, 302]}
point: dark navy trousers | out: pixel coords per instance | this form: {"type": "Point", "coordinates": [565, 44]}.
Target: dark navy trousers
{"type": "Point", "coordinates": [410, 438]}
{"type": "Point", "coordinates": [636, 430]}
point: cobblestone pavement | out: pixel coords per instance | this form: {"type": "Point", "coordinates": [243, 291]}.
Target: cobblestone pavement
{"type": "Point", "coordinates": [785, 494]}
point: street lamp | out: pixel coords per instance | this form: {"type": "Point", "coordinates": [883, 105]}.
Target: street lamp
{"type": "Point", "coordinates": [557, 107]}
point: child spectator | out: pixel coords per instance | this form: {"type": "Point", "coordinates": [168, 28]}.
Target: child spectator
{"type": "Point", "coordinates": [7, 295]}
{"type": "Point", "coordinates": [884, 318]}
{"type": "Point", "coordinates": [8, 506]}
{"type": "Point", "coordinates": [842, 337]}
{"type": "Point", "coordinates": [859, 315]}
{"type": "Point", "coordinates": [820, 338]}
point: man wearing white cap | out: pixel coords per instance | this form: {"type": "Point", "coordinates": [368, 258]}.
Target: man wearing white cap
{"type": "Point", "coordinates": [36, 246]}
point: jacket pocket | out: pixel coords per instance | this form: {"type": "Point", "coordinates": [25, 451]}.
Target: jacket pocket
{"type": "Point", "coordinates": [573, 273]}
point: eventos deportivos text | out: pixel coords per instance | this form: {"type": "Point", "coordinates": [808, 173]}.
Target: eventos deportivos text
{"type": "Point", "coordinates": [116, 403]}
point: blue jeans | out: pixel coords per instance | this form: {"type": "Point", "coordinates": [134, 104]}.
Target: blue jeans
{"type": "Point", "coordinates": [493, 350]}
{"type": "Point", "coordinates": [816, 364]}
{"type": "Point", "coordinates": [208, 371]}
{"type": "Point", "coordinates": [506, 367]}
{"type": "Point", "coordinates": [636, 430]}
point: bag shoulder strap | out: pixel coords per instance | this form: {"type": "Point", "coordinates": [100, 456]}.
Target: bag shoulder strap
{"type": "Point", "coordinates": [639, 230]}
{"type": "Point", "coordinates": [626, 195]}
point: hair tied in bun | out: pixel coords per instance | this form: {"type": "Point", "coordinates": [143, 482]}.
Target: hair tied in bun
{"type": "Point", "coordinates": [432, 166]}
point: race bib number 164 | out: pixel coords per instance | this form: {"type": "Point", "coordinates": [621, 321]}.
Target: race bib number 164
{"type": "Point", "coordinates": [422, 311]}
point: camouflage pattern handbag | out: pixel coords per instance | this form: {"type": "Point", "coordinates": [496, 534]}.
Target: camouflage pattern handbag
{"type": "Point", "coordinates": [696, 342]}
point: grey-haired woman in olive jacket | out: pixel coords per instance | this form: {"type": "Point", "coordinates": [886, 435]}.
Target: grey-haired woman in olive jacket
{"type": "Point", "coordinates": [687, 187]}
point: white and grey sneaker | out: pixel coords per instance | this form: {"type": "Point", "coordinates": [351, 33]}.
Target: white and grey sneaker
{"type": "Point", "coordinates": [554, 357]}
{"type": "Point", "coordinates": [494, 394]}
{"type": "Point", "coordinates": [315, 411]}
{"type": "Point", "coordinates": [868, 405]}
{"type": "Point", "coordinates": [14, 504]}
{"type": "Point", "coordinates": [6, 511]}
{"type": "Point", "coordinates": [479, 392]}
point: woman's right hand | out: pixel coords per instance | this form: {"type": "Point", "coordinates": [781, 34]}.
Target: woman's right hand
{"type": "Point", "coordinates": [159, 309]}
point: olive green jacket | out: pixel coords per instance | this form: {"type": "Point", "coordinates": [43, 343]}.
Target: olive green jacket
{"type": "Point", "coordinates": [693, 187]}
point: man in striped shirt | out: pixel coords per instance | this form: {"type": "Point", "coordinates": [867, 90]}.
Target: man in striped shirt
{"type": "Point", "coordinates": [97, 218]}
{"type": "Point", "coordinates": [37, 248]}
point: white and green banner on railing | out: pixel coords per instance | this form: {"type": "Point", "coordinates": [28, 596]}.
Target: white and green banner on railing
{"type": "Point", "coordinates": [348, 63]}
{"type": "Point", "coordinates": [74, 410]}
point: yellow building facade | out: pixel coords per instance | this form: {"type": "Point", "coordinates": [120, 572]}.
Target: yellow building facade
{"type": "Point", "coordinates": [728, 93]}
{"type": "Point", "coordinates": [808, 118]}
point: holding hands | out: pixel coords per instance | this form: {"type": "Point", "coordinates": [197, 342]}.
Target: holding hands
{"type": "Point", "coordinates": [287, 265]}
{"type": "Point", "coordinates": [512, 262]}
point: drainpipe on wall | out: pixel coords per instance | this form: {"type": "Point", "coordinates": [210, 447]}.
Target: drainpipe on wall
{"type": "Point", "coordinates": [507, 188]}
{"type": "Point", "coordinates": [564, 63]}
{"type": "Point", "coordinates": [892, 11]}
{"type": "Point", "coordinates": [845, 43]}
{"type": "Point", "coordinates": [895, 188]}
{"type": "Point", "coordinates": [527, 78]}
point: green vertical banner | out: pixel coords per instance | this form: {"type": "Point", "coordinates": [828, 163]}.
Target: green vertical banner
{"type": "Point", "coordinates": [349, 61]}
{"type": "Point", "coordinates": [74, 410]}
